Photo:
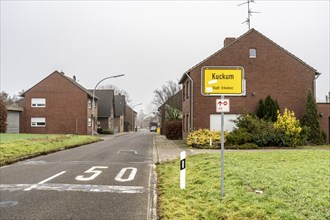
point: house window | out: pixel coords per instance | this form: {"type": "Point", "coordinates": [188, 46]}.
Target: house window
{"type": "Point", "coordinates": [89, 122]}
{"type": "Point", "coordinates": [38, 102]}
{"type": "Point", "coordinates": [38, 122]}
{"type": "Point", "coordinates": [253, 53]}
{"type": "Point", "coordinates": [89, 103]}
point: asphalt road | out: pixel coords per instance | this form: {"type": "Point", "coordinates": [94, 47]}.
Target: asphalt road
{"type": "Point", "coordinates": [111, 179]}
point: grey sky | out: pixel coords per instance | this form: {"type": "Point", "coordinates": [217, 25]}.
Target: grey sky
{"type": "Point", "coordinates": [150, 41]}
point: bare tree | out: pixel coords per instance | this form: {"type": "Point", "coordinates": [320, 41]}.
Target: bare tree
{"type": "Point", "coordinates": [117, 91]}
{"type": "Point", "coordinates": [168, 89]}
{"type": "Point", "coordinates": [10, 100]}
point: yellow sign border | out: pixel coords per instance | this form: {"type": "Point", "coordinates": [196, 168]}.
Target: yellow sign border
{"type": "Point", "coordinates": [232, 85]}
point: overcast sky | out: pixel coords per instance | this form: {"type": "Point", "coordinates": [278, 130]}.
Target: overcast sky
{"type": "Point", "coordinates": [151, 42]}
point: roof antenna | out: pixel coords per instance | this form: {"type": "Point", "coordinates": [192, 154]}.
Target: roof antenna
{"type": "Point", "coordinates": [248, 20]}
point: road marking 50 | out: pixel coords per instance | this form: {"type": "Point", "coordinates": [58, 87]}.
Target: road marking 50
{"type": "Point", "coordinates": [119, 177]}
{"type": "Point", "coordinates": [91, 170]}
{"type": "Point", "coordinates": [131, 176]}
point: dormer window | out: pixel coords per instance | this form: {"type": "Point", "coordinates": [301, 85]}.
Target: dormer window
{"type": "Point", "coordinates": [252, 52]}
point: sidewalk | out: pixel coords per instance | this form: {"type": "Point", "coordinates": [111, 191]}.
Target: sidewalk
{"type": "Point", "coordinates": [166, 150]}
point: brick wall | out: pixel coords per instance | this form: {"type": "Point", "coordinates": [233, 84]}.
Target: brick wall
{"type": "Point", "coordinates": [273, 72]}
{"type": "Point", "coordinates": [324, 113]}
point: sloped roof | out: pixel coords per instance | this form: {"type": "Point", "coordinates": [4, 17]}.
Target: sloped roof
{"type": "Point", "coordinates": [238, 39]}
{"type": "Point", "coordinates": [174, 101]}
{"type": "Point", "coordinates": [75, 83]}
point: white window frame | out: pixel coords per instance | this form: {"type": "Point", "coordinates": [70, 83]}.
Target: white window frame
{"type": "Point", "coordinates": [38, 122]}
{"type": "Point", "coordinates": [89, 122]}
{"type": "Point", "coordinates": [38, 102]}
{"type": "Point", "coordinates": [253, 53]}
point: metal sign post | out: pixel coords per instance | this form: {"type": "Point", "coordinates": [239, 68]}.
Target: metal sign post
{"type": "Point", "coordinates": [223, 149]}
{"type": "Point", "coordinates": [222, 81]}
{"type": "Point", "coordinates": [222, 105]}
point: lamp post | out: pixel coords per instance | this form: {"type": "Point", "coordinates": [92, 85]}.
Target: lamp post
{"type": "Point", "coordinates": [133, 113]}
{"type": "Point", "coordinates": [93, 101]}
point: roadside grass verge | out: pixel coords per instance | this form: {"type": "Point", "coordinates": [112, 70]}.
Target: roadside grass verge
{"type": "Point", "coordinates": [22, 146]}
{"type": "Point", "coordinates": [294, 185]}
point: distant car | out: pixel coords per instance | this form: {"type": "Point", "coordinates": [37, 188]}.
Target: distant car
{"type": "Point", "coordinates": [153, 128]}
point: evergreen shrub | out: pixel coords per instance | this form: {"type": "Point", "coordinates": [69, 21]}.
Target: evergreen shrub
{"type": "Point", "coordinates": [311, 120]}
{"type": "Point", "coordinates": [251, 129]}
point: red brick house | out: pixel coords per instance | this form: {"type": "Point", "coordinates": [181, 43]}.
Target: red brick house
{"type": "Point", "coordinates": [57, 105]}
{"type": "Point", "coordinates": [269, 69]}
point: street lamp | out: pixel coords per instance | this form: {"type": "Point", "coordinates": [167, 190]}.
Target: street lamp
{"type": "Point", "coordinates": [133, 113]}
{"type": "Point", "coordinates": [93, 101]}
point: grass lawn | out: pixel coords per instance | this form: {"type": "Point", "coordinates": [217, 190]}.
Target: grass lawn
{"type": "Point", "coordinates": [295, 185]}
{"type": "Point", "coordinates": [15, 147]}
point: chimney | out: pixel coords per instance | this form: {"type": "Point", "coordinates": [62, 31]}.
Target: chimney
{"type": "Point", "coordinates": [228, 41]}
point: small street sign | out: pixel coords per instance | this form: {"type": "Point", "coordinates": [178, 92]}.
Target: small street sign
{"type": "Point", "coordinates": [222, 105]}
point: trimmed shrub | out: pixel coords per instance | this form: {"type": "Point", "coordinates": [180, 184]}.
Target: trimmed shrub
{"type": "Point", "coordinates": [239, 136]}
{"type": "Point", "coordinates": [173, 130]}
{"type": "Point", "coordinates": [201, 138]}
{"type": "Point", "coordinates": [104, 131]}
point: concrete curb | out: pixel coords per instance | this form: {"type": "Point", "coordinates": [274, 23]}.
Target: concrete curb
{"type": "Point", "coordinates": [154, 198]}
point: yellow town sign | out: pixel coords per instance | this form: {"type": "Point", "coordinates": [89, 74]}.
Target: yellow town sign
{"type": "Point", "coordinates": [222, 80]}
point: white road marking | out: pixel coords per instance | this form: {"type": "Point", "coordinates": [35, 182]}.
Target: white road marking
{"type": "Point", "coordinates": [33, 162]}
{"type": "Point", "coordinates": [44, 181]}
{"type": "Point", "coordinates": [91, 170]}
{"type": "Point", "coordinates": [127, 152]}
{"type": "Point", "coordinates": [121, 173]}
{"type": "Point", "coordinates": [73, 187]}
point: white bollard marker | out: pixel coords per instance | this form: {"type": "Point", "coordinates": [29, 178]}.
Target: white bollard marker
{"type": "Point", "coordinates": [183, 170]}
{"type": "Point", "coordinates": [210, 141]}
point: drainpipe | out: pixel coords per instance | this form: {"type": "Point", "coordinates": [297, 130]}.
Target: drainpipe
{"type": "Point", "coordinates": [314, 83]}
{"type": "Point", "coordinates": [191, 102]}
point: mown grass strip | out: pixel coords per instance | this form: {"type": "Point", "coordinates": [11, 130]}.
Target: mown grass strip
{"type": "Point", "coordinates": [18, 147]}
{"type": "Point", "coordinates": [294, 185]}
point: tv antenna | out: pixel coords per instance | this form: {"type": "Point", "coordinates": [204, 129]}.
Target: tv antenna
{"type": "Point", "coordinates": [250, 12]}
